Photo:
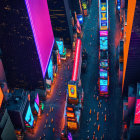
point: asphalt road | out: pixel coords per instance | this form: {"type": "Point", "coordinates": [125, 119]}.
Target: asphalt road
{"type": "Point", "coordinates": [111, 128]}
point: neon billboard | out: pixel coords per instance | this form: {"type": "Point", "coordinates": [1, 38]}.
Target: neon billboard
{"type": "Point", "coordinates": [103, 74]}
{"type": "Point", "coordinates": [137, 112]}
{"type": "Point", "coordinates": [29, 117]}
{"type": "Point", "coordinates": [103, 14]}
{"type": "Point", "coordinates": [76, 60]}
{"type": "Point", "coordinates": [36, 107]}
{"type": "Point", "coordinates": [37, 99]}
{"type": "Point", "coordinates": [103, 82]}
{"type": "Point", "coordinates": [60, 47]}
{"type": "Point", "coordinates": [50, 70]}
{"type": "Point", "coordinates": [72, 91]}
{"type": "Point", "coordinates": [103, 88]}
{"type": "Point", "coordinates": [104, 63]}
{"type": "Point", "coordinates": [80, 18]}
{"type": "Point", "coordinates": [42, 30]}
{"type": "Point", "coordinates": [1, 96]}
{"type": "Point", "coordinates": [103, 33]}
{"type": "Point", "coordinates": [103, 43]}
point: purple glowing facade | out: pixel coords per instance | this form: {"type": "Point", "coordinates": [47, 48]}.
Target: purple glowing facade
{"type": "Point", "coordinates": [42, 30]}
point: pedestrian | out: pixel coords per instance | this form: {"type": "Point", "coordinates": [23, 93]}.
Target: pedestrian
{"type": "Point", "coordinates": [94, 111]}
{"type": "Point", "coordinates": [68, 67]}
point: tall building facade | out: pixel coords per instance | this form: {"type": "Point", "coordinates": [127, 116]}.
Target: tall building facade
{"type": "Point", "coordinates": [131, 46]}
{"type": "Point", "coordinates": [61, 20]}
{"type": "Point", "coordinates": [26, 42]}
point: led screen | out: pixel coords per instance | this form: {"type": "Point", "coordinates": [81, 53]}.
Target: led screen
{"type": "Point", "coordinates": [29, 116]}
{"type": "Point", "coordinates": [42, 30]}
{"type": "Point", "coordinates": [103, 43]}
{"type": "Point", "coordinates": [103, 88]}
{"type": "Point", "coordinates": [103, 74]}
{"type": "Point", "coordinates": [137, 112]}
{"type": "Point", "coordinates": [103, 7]}
{"type": "Point", "coordinates": [103, 82]}
{"type": "Point", "coordinates": [80, 18]}
{"type": "Point", "coordinates": [37, 99]}
{"type": "Point", "coordinates": [103, 16]}
{"type": "Point", "coordinates": [1, 96]}
{"type": "Point", "coordinates": [60, 47]}
{"type": "Point", "coordinates": [103, 63]}
{"type": "Point", "coordinates": [72, 125]}
{"type": "Point", "coordinates": [36, 107]}
{"type": "Point", "coordinates": [76, 60]}
{"type": "Point", "coordinates": [103, 33]}
{"type": "Point", "coordinates": [50, 70]}
{"type": "Point", "coordinates": [72, 91]}
{"type": "Point", "coordinates": [69, 114]}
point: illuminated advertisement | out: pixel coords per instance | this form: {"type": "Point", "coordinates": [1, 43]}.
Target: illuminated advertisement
{"type": "Point", "coordinates": [78, 27]}
{"type": "Point", "coordinates": [103, 88]}
{"type": "Point", "coordinates": [84, 5]}
{"type": "Point", "coordinates": [29, 117]}
{"type": "Point", "coordinates": [103, 33]}
{"type": "Point", "coordinates": [118, 4]}
{"type": "Point", "coordinates": [50, 70]}
{"type": "Point", "coordinates": [42, 30]}
{"type": "Point", "coordinates": [103, 74]}
{"type": "Point", "coordinates": [103, 43]}
{"type": "Point", "coordinates": [103, 82]}
{"type": "Point", "coordinates": [1, 96]}
{"type": "Point", "coordinates": [72, 125]}
{"type": "Point", "coordinates": [36, 107]}
{"type": "Point", "coordinates": [80, 18]}
{"type": "Point", "coordinates": [37, 99]}
{"type": "Point", "coordinates": [104, 63]}
{"type": "Point", "coordinates": [72, 91]}
{"type": "Point", "coordinates": [60, 47]}
{"type": "Point", "coordinates": [103, 14]}
{"type": "Point", "coordinates": [71, 115]}
{"type": "Point", "coordinates": [69, 136]}
{"type": "Point", "coordinates": [137, 112]}
{"type": "Point", "coordinates": [103, 7]}
{"type": "Point", "coordinates": [76, 60]}
{"type": "Point", "coordinates": [69, 108]}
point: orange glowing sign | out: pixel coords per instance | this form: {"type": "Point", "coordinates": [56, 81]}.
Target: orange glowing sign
{"type": "Point", "coordinates": [71, 119]}
{"type": "Point", "coordinates": [130, 17]}
{"type": "Point", "coordinates": [69, 109]}
{"type": "Point", "coordinates": [69, 114]}
{"type": "Point", "coordinates": [72, 91]}
{"type": "Point", "coordinates": [72, 125]}
{"type": "Point", "coordinates": [1, 96]}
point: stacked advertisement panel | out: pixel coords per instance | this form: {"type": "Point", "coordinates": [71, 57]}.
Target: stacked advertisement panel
{"type": "Point", "coordinates": [74, 98]}
{"type": "Point", "coordinates": [103, 49]}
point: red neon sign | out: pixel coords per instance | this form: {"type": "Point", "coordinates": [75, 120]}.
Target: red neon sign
{"type": "Point", "coordinates": [137, 112]}
{"type": "Point", "coordinates": [76, 60]}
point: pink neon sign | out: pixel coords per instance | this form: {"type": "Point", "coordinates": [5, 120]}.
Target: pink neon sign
{"type": "Point", "coordinates": [103, 33]}
{"type": "Point", "coordinates": [42, 30]}
{"type": "Point", "coordinates": [137, 112]}
{"type": "Point", "coordinates": [76, 60]}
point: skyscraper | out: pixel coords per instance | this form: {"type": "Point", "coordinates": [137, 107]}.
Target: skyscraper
{"type": "Point", "coordinates": [61, 20]}
{"type": "Point", "coordinates": [26, 42]}
{"type": "Point", "coordinates": [131, 46]}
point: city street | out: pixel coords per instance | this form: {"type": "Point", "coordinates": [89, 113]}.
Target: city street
{"type": "Point", "coordinates": [56, 99]}
{"type": "Point", "coordinates": [107, 124]}
{"type": "Point", "coordinates": [111, 106]}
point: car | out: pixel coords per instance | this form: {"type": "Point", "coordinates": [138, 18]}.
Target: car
{"type": "Point", "coordinates": [84, 65]}
{"type": "Point", "coordinates": [84, 54]}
